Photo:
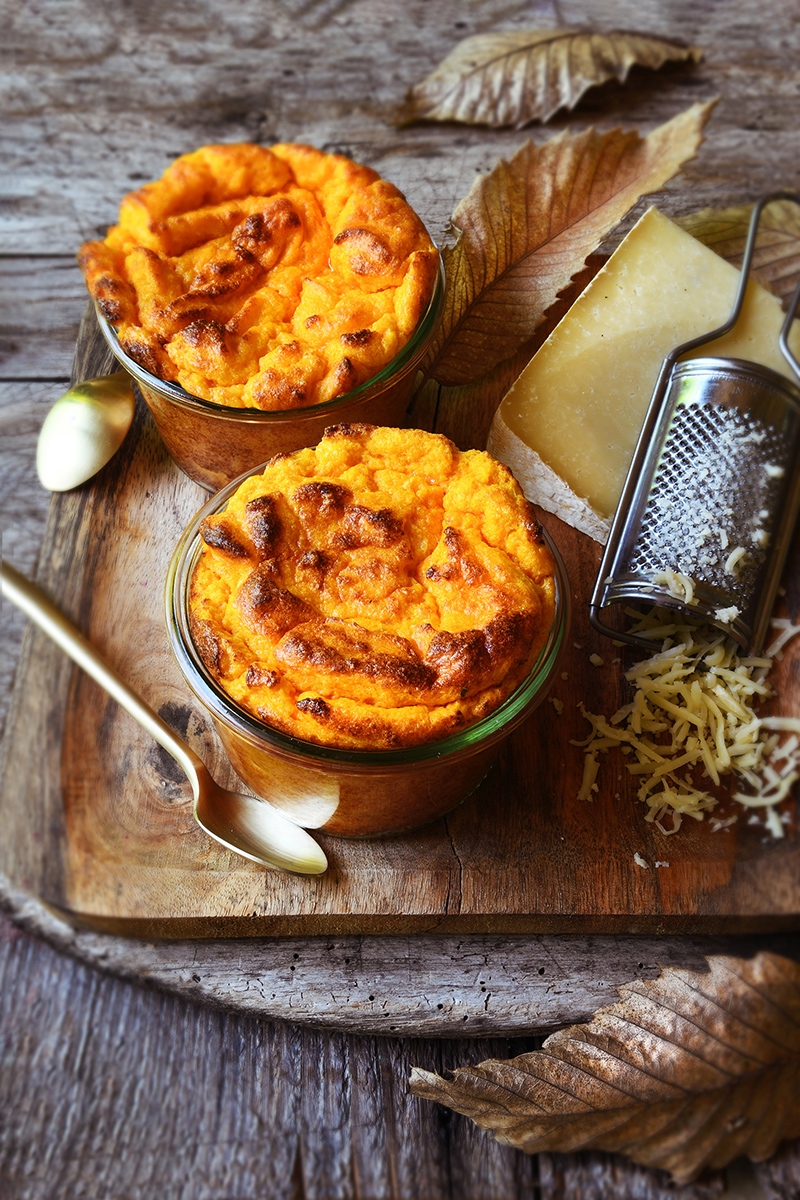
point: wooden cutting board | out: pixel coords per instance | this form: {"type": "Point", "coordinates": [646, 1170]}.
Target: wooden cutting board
{"type": "Point", "coordinates": [97, 819]}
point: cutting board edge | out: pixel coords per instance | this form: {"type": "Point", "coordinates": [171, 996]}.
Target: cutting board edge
{"type": "Point", "coordinates": [380, 924]}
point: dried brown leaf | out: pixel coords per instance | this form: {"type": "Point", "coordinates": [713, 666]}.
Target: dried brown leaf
{"type": "Point", "coordinates": [514, 77]}
{"type": "Point", "coordinates": [776, 261]}
{"type": "Point", "coordinates": [685, 1072]}
{"type": "Point", "coordinates": [527, 227]}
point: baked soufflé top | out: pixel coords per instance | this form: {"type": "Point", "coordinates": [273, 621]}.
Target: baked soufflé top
{"type": "Point", "coordinates": [380, 590]}
{"type": "Point", "coordinates": [265, 278]}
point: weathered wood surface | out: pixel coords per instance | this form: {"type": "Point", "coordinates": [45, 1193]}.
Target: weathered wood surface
{"type": "Point", "coordinates": [412, 986]}
{"type": "Point", "coordinates": [108, 1089]}
{"type": "Point", "coordinates": [40, 305]}
{"type": "Point", "coordinates": [165, 79]}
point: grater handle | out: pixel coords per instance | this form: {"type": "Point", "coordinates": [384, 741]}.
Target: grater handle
{"type": "Point", "coordinates": [787, 325]}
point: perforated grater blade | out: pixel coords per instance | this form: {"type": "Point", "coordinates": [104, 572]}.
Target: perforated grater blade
{"type": "Point", "coordinates": [706, 514]}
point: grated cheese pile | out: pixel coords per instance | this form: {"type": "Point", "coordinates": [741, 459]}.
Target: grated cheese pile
{"type": "Point", "coordinates": [692, 717]}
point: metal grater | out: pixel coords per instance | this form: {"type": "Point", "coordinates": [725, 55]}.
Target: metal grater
{"type": "Point", "coordinates": [713, 489]}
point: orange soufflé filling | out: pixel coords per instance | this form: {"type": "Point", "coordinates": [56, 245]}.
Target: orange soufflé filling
{"type": "Point", "coordinates": [380, 590]}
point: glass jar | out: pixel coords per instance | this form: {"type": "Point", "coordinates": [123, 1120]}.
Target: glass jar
{"type": "Point", "coordinates": [352, 793]}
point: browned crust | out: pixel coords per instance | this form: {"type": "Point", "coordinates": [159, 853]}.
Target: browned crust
{"type": "Point", "coordinates": [218, 534]}
{"type": "Point", "coordinates": [208, 644]}
{"type": "Point", "coordinates": [268, 608]}
{"type": "Point", "coordinates": [263, 524]}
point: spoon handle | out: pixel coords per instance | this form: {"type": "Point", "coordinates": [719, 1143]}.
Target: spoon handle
{"type": "Point", "coordinates": [39, 609]}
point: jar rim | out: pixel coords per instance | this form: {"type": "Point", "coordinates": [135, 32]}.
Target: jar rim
{"type": "Point", "coordinates": [498, 724]}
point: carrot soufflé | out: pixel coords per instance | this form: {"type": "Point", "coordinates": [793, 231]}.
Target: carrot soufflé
{"type": "Point", "coordinates": [269, 278]}
{"type": "Point", "coordinates": [380, 590]}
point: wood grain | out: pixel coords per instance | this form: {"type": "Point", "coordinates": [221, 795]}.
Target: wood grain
{"type": "Point", "coordinates": [40, 305]}
{"type": "Point", "coordinates": [270, 80]}
{"type": "Point", "coordinates": [432, 986]}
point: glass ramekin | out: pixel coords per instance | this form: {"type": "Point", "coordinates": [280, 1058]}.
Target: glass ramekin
{"type": "Point", "coordinates": [352, 793]}
{"type": "Point", "coordinates": [213, 444]}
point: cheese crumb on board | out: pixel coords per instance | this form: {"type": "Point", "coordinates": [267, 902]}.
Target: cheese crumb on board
{"type": "Point", "coordinates": [568, 426]}
{"type": "Point", "coordinates": [787, 631]}
{"type": "Point", "coordinates": [692, 717]}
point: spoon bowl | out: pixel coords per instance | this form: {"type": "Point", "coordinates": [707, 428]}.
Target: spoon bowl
{"type": "Point", "coordinates": [244, 824]}
{"type": "Point", "coordinates": [84, 430]}
{"type": "Point", "coordinates": [252, 828]}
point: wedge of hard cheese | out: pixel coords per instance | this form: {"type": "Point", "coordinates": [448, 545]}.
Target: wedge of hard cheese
{"type": "Point", "coordinates": [568, 426]}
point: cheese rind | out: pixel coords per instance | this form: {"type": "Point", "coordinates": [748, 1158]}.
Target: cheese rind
{"type": "Point", "coordinates": [541, 484]}
{"type": "Point", "coordinates": [568, 427]}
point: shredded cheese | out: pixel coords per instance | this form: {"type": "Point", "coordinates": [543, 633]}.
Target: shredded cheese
{"type": "Point", "coordinates": [590, 769]}
{"type": "Point", "coordinates": [677, 584]}
{"type": "Point", "coordinates": [733, 559]}
{"type": "Point", "coordinates": [692, 716]}
{"type": "Point", "coordinates": [727, 615]}
{"type": "Point", "coordinates": [787, 631]}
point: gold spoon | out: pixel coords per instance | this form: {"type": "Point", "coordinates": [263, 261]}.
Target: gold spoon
{"type": "Point", "coordinates": [83, 430]}
{"type": "Point", "coordinates": [247, 826]}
